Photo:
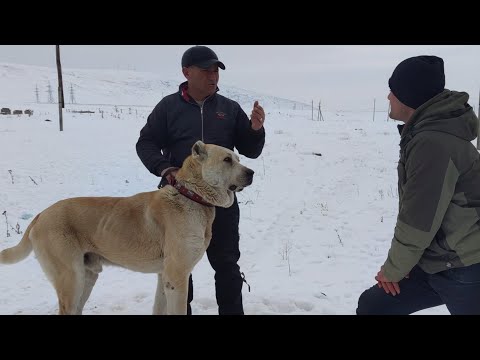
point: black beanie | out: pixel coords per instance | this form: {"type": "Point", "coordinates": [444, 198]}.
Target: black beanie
{"type": "Point", "coordinates": [417, 79]}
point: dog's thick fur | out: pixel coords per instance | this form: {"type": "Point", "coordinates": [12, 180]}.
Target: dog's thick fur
{"type": "Point", "coordinates": [161, 232]}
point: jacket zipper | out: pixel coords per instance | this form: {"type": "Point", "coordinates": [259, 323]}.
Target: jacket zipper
{"type": "Point", "coordinates": [201, 114]}
{"type": "Point", "coordinates": [201, 111]}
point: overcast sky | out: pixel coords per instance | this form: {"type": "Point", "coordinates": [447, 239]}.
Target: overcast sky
{"type": "Point", "coordinates": [341, 76]}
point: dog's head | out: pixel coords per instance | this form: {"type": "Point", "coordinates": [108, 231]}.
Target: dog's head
{"type": "Point", "coordinates": [221, 168]}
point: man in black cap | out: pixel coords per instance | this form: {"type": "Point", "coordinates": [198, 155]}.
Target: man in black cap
{"type": "Point", "coordinates": [434, 257]}
{"type": "Point", "coordinates": [198, 112]}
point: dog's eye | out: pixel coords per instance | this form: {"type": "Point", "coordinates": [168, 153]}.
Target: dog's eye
{"type": "Point", "coordinates": [228, 159]}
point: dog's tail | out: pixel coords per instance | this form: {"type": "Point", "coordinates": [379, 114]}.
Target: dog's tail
{"type": "Point", "coordinates": [22, 250]}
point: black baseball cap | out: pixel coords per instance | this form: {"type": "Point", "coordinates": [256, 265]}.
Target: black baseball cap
{"type": "Point", "coordinates": [201, 56]}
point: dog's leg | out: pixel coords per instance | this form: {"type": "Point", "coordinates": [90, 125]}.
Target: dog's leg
{"type": "Point", "coordinates": [69, 286]}
{"type": "Point", "coordinates": [160, 305]}
{"type": "Point", "coordinates": [93, 266]}
{"type": "Point", "coordinates": [176, 288]}
{"type": "Point", "coordinates": [177, 296]}
{"type": "Point", "coordinates": [63, 265]}
{"type": "Point", "coordinates": [90, 280]}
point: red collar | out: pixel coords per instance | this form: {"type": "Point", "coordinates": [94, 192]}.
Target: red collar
{"type": "Point", "coordinates": [185, 95]}
{"type": "Point", "coordinates": [189, 194]}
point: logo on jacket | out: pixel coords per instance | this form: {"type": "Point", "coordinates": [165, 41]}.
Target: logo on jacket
{"type": "Point", "coordinates": [221, 115]}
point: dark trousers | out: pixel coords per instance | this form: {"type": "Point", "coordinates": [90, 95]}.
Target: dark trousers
{"type": "Point", "coordinates": [223, 254]}
{"type": "Point", "coordinates": [458, 289]}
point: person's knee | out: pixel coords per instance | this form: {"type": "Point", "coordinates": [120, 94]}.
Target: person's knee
{"type": "Point", "coordinates": [227, 260]}
{"type": "Point", "coordinates": [226, 269]}
{"type": "Point", "coordinates": [221, 258]}
{"type": "Point", "coordinates": [367, 304]}
{"type": "Point", "coordinates": [362, 305]}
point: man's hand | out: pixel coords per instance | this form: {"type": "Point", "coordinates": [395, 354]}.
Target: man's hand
{"type": "Point", "coordinates": [387, 285]}
{"type": "Point", "coordinates": [258, 116]}
{"type": "Point", "coordinates": [171, 176]}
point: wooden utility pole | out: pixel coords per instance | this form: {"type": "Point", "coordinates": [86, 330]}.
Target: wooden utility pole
{"type": "Point", "coordinates": [373, 109]}
{"type": "Point", "coordinates": [312, 110]}
{"type": "Point", "coordinates": [61, 102]}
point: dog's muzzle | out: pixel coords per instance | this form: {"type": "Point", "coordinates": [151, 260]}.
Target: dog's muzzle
{"type": "Point", "coordinates": [249, 174]}
{"type": "Point", "coordinates": [249, 179]}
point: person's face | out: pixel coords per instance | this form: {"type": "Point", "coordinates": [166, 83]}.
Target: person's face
{"type": "Point", "coordinates": [202, 81]}
{"type": "Point", "coordinates": [398, 110]}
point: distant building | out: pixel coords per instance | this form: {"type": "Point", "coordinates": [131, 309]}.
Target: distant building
{"type": "Point", "coordinates": [5, 111]}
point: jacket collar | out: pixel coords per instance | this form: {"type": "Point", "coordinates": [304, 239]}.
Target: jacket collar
{"type": "Point", "coordinates": [183, 92]}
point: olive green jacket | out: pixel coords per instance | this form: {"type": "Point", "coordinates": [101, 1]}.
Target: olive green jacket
{"type": "Point", "coordinates": [438, 224]}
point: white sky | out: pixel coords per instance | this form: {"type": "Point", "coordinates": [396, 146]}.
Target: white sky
{"type": "Point", "coordinates": [341, 76]}
{"type": "Point", "coordinates": [314, 229]}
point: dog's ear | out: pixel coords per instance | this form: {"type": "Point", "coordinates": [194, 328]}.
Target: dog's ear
{"type": "Point", "coordinates": [199, 150]}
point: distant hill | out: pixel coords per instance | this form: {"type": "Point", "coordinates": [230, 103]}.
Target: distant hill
{"type": "Point", "coordinates": [18, 85]}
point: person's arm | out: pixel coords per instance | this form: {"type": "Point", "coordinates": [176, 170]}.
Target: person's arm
{"type": "Point", "coordinates": [249, 142]}
{"type": "Point", "coordinates": [431, 177]}
{"type": "Point", "coordinates": [153, 138]}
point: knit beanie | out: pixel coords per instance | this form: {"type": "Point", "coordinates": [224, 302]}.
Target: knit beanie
{"type": "Point", "coordinates": [417, 79]}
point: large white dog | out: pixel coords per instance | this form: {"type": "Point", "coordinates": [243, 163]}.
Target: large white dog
{"type": "Point", "coordinates": [166, 231]}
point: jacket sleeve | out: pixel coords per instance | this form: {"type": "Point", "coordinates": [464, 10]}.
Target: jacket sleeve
{"type": "Point", "coordinates": [248, 142]}
{"type": "Point", "coordinates": [431, 177]}
{"type": "Point", "coordinates": [153, 138]}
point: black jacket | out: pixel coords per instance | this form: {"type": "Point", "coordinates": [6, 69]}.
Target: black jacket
{"type": "Point", "coordinates": [175, 124]}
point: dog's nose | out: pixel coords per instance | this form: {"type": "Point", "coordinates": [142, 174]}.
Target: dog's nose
{"type": "Point", "coordinates": [249, 173]}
